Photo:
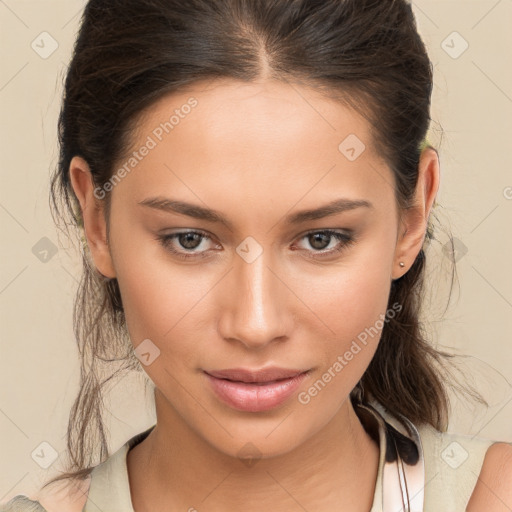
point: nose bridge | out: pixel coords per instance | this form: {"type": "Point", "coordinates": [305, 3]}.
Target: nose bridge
{"type": "Point", "coordinates": [254, 313]}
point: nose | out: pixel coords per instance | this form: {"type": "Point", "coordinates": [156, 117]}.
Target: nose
{"type": "Point", "coordinates": [254, 304]}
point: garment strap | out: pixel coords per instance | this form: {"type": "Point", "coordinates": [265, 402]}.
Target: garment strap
{"type": "Point", "coordinates": [403, 474]}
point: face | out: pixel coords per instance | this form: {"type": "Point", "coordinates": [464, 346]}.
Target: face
{"type": "Point", "coordinates": [246, 274]}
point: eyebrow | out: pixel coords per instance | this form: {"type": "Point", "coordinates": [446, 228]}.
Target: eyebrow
{"type": "Point", "coordinates": [207, 214]}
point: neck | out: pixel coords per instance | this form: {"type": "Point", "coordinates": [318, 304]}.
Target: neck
{"type": "Point", "coordinates": [337, 466]}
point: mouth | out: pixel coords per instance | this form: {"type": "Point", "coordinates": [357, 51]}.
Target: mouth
{"type": "Point", "coordinates": [263, 375]}
{"type": "Point", "coordinates": [255, 391]}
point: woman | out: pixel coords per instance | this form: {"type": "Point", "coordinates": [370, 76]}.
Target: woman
{"type": "Point", "coordinates": [255, 190]}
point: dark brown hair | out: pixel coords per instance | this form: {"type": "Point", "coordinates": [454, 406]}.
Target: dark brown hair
{"type": "Point", "coordinates": [130, 53]}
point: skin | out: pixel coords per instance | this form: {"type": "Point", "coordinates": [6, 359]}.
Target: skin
{"type": "Point", "coordinates": [256, 153]}
{"type": "Point", "coordinates": [493, 491]}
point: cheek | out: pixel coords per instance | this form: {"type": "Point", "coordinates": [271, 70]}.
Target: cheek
{"type": "Point", "coordinates": [350, 297]}
{"type": "Point", "coordinates": [355, 312]}
{"type": "Point", "coordinates": [162, 302]}
{"type": "Point", "coordinates": [157, 300]}
{"type": "Point", "coordinates": [351, 301]}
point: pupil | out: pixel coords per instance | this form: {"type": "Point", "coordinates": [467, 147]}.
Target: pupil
{"type": "Point", "coordinates": [315, 238]}
{"type": "Point", "coordinates": [189, 237]}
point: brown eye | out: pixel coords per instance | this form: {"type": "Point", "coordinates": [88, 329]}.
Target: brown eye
{"type": "Point", "coordinates": [189, 240]}
{"type": "Point", "coordinates": [321, 240]}
{"type": "Point", "coordinates": [182, 244]}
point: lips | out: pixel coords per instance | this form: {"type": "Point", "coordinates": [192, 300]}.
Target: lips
{"type": "Point", "coordinates": [255, 390]}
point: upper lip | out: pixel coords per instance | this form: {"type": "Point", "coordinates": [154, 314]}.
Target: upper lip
{"type": "Point", "coordinates": [261, 375]}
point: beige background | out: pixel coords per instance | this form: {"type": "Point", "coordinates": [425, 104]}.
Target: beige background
{"type": "Point", "coordinates": [472, 103]}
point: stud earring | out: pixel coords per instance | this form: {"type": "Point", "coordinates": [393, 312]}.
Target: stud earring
{"type": "Point", "coordinates": [402, 264]}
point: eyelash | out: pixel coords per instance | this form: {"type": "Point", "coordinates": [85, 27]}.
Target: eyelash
{"type": "Point", "coordinates": [346, 240]}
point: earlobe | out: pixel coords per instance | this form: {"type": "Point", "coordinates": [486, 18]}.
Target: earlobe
{"type": "Point", "coordinates": [92, 211]}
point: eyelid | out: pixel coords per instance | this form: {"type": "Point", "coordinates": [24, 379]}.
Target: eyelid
{"type": "Point", "coordinates": [345, 237]}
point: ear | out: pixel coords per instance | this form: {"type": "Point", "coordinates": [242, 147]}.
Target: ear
{"type": "Point", "coordinates": [414, 220]}
{"type": "Point", "coordinates": [94, 222]}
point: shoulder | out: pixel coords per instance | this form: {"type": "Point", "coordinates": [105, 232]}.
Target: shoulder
{"type": "Point", "coordinates": [21, 503]}
{"type": "Point", "coordinates": [453, 463]}
{"type": "Point", "coordinates": [493, 490]}
{"type": "Point", "coordinates": [69, 498]}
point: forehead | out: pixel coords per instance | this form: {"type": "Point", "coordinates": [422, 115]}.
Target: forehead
{"type": "Point", "coordinates": [267, 134]}
{"type": "Point", "coordinates": [266, 111]}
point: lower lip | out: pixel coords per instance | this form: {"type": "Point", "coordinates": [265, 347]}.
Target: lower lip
{"type": "Point", "coordinates": [252, 397]}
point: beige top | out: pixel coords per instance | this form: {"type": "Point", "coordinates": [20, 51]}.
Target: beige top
{"type": "Point", "coordinates": [452, 464]}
